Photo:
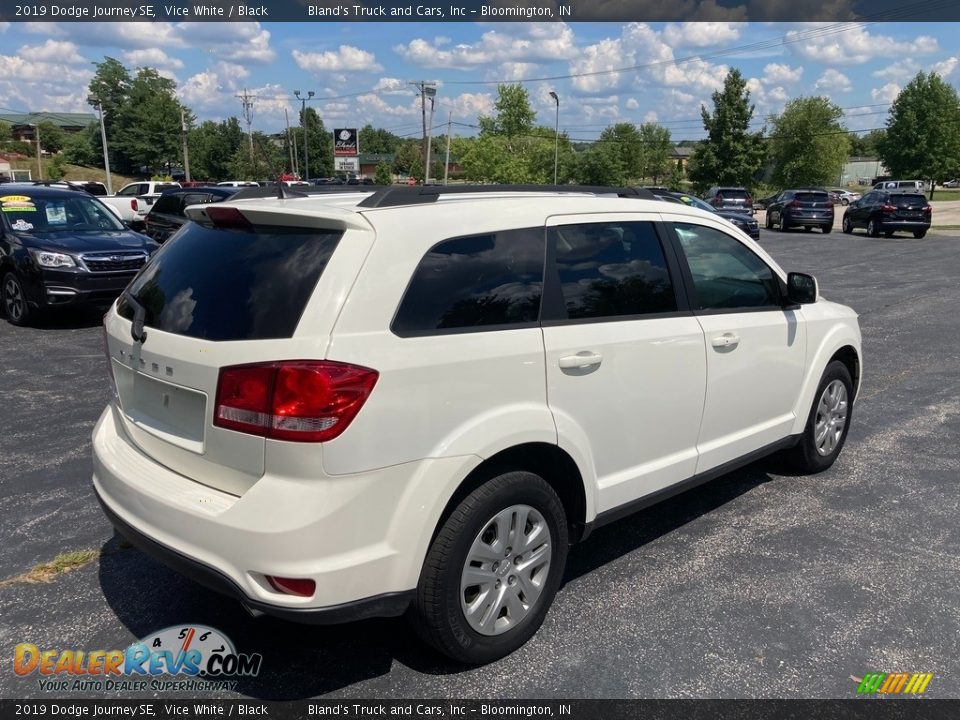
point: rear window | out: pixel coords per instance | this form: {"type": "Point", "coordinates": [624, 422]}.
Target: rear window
{"type": "Point", "coordinates": [733, 193]}
{"type": "Point", "coordinates": [811, 197]}
{"type": "Point", "coordinates": [220, 284]}
{"type": "Point", "coordinates": [169, 204]}
{"type": "Point", "coordinates": [908, 200]}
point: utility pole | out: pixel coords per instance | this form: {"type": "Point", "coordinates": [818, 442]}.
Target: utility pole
{"type": "Point", "coordinates": [446, 163]}
{"type": "Point", "coordinates": [426, 172]}
{"type": "Point", "coordinates": [36, 134]}
{"type": "Point", "coordinates": [306, 140]}
{"type": "Point", "coordinates": [106, 156]}
{"type": "Point", "coordinates": [286, 116]}
{"type": "Point", "coordinates": [425, 88]}
{"type": "Point", "coordinates": [186, 151]}
{"type": "Point", "coordinates": [247, 100]}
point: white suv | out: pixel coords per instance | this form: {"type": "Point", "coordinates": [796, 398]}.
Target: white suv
{"type": "Point", "coordinates": [414, 400]}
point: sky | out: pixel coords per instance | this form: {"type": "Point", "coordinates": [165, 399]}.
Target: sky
{"type": "Point", "coordinates": [361, 72]}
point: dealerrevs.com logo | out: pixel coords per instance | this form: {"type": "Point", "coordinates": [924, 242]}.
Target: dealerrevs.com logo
{"type": "Point", "coordinates": [893, 683]}
{"type": "Point", "coordinates": [204, 657]}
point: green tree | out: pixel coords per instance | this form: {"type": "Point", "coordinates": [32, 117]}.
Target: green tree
{"type": "Point", "coordinates": [514, 115]}
{"type": "Point", "coordinates": [865, 145]}
{"type": "Point", "coordinates": [52, 136]}
{"type": "Point", "coordinates": [56, 169]}
{"type": "Point", "coordinates": [405, 155]}
{"type": "Point", "coordinates": [109, 87]}
{"type": "Point", "coordinates": [626, 139]}
{"type": "Point", "coordinates": [382, 175]}
{"type": "Point", "coordinates": [149, 131]}
{"type": "Point", "coordinates": [808, 144]}
{"type": "Point", "coordinates": [731, 155]}
{"type": "Point", "coordinates": [213, 146]}
{"type": "Point", "coordinates": [656, 147]}
{"type": "Point", "coordinates": [923, 131]}
{"type": "Point", "coordinates": [378, 141]}
{"type": "Point", "coordinates": [320, 144]}
{"type": "Point", "coordinates": [81, 149]}
{"type": "Point", "coordinates": [601, 164]}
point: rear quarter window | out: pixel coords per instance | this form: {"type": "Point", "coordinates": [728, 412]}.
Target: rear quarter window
{"type": "Point", "coordinates": [221, 284]}
{"type": "Point", "coordinates": [479, 282]}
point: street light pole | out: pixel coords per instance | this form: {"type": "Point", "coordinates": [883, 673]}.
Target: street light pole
{"type": "Point", "coordinates": [106, 156]}
{"type": "Point", "coordinates": [556, 137]}
{"type": "Point", "coordinates": [303, 124]}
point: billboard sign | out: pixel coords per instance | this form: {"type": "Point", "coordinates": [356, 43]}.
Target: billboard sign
{"type": "Point", "coordinates": [347, 164]}
{"type": "Point", "coordinates": [345, 142]}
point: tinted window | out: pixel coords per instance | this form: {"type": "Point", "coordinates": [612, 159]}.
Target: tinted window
{"type": "Point", "coordinates": [168, 204]}
{"type": "Point", "coordinates": [812, 197]}
{"type": "Point", "coordinates": [726, 274]}
{"type": "Point", "coordinates": [612, 270]}
{"type": "Point", "coordinates": [907, 200]}
{"type": "Point", "coordinates": [76, 213]}
{"type": "Point", "coordinates": [231, 285]}
{"type": "Point", "coordinates": [735, 193]}
{"type": "Point", "coordinates": [468, 282]}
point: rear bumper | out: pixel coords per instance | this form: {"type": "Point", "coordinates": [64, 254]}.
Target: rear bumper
{"type": "Point", "coordinates": [904, 225]}
{"type": "Point", "coordinates": [801, 221]}
{"type": "Point", "coordinates": [361, 538]}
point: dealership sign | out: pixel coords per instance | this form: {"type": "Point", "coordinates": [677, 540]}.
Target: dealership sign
{"type": "Point", "coordinates": [347, 164]}
{"type": "Point", "coordinates": [345, 142]}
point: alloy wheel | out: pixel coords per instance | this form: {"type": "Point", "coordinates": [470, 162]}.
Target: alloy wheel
{"type": "Point", "coordinates": [505, 570]}
{"type": "Point", "coordinates": [831, 417]}
{"type": "Point", "coordinates": [13, 299]}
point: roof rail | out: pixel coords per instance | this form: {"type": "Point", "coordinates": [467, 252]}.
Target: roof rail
{"type": "Point", "coordinates": [285, 192]}
{"type": "Point", "coordinates": [401, 195]}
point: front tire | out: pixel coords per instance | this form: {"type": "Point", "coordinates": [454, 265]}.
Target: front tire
{"type": "Point", "coordinates": [844, 202]}
{"type": "Point", "coordinates": [768, 222]}
{"type": "Point", "coordinates": [826, 430]}
{"type": "Point", "coordinates": [847, 226]}
{"type": "Point", "coordinates": [783, 227]}
{"type": "Point", "coordinates": [493, 569]}
{"type": "Point", "coordinates": [15, 303]}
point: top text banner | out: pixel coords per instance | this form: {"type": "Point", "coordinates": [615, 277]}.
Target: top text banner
{"type": "Point", "coordinates": [481, 10]}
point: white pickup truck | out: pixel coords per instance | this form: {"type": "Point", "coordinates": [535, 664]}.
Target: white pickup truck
{"type": "Point", "coordinates": [132, 202]}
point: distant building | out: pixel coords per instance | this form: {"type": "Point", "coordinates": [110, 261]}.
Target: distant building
{"type": "Point", "coordinates": [680, 155]}
{"type": "Point", "coordinates": [369, 162]}
{"type": "Point", "coordinates": [862, 171]}
{"type": "Point", "coordinates": [22, 124]}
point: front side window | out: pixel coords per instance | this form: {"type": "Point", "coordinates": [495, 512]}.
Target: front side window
{"type": "Point", "coordinates": [611, 269]}
{"type": "Point", "coordinates": [726, 274]}
{"type": "Point", "coordinates": [480, 281]}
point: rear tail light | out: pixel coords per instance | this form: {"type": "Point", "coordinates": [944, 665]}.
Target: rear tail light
{"type": "Point", "coordinates": [298, 400]}
{"type": "Point", "coordinates": [133, 205]}
{"type": "Point", "coordinates": [749, 200]}
{"type": "Point", "coordinates": [794, 204]}
{"type": "Point", "coordinates": [888, 208]}
{"type": "Point", "coordinates": [718, 199]}
{"type": "Point", "coordinates": [927, 209]}
{"type": "Point", "coordinates": [301, 587]}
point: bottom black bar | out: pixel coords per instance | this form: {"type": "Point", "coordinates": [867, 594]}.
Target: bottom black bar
{"type": "Point", "coordinates": [864, 708]}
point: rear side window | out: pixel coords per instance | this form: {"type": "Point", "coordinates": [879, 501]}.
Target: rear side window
{"type": "Point", "coordinates": [611, 270]}
{"type": "Point", "coordinates": [220, 284]}
{"type": "Point", "coordinates": [478, 282]}
{"type": "Point", "coordinates": [168, 204]}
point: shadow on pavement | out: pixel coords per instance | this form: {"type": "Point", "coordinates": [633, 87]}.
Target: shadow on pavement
{"type": "Point", "coordinates": [302, 661]}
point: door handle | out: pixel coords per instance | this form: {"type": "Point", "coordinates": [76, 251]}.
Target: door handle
{"type": "Point", "coordinates": [725, 340]}
{"type": "Point", "coordinates": [580, 360]}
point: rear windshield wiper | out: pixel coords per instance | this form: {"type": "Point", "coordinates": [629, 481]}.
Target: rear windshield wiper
{"type": "Point", "coordinates": [139, 317]}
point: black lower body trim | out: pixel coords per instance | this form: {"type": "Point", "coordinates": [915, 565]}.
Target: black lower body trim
{"type": "Point", "coordinates": [385, 605]}
{"type": "Point", "coordinates": [617, 513]}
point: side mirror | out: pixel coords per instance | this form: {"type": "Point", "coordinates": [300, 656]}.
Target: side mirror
{"type": "Point", "coordinates": [802, 289]}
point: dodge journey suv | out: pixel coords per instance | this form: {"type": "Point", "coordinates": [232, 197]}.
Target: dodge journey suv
{"type": "Point", "coordinates": [414, 400]}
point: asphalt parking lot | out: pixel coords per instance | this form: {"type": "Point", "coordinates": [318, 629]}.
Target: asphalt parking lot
{"type": "Point", "coordinates": [755, 585]}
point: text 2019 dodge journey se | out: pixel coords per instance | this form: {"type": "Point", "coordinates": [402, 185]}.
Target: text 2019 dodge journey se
{"type": "Point", "coordinates": [414, 400]}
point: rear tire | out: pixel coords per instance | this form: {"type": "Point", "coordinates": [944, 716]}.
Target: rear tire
{"type": "Point", "coordinates": [847, 226]}
{"type": "Point", "coordinates": [15, 305]}
{"type": "Point", "coordinates": [826, 230]}
{"type": "Point", "coordinates": [827, 425]}
{"type": "Point", "coordinates": [873, 228]}
{"type": "Point", "coordinates": [844, 202]}
{"type": "Point", "coordinates": [511, 596]}
{"type": "Point", "coordinates": [782, 227]}
{"type": "Point", "coordinates": [768, 222]}
{"type": "Point", "coordinates": [919, 234]}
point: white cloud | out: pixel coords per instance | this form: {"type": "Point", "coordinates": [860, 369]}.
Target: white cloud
{"type": "Point", "coordinates": [4, 26]}
{"type": "Point", "coordinates": [650, 117]}
{"type": "Point", "coordinates": [857, 45]}
{"type": "Point", "coordinates": [945, 68]}
{"type": "Point", "coordinates": [833, 80]}
{"type": "Point", "coordinates": [701, 34]}
{"type": "Point", "coordinates": [632, 104]}
{"type": "Point", "coordinates": [516, 70]}
{"type": "Point", "coordinates": [392, 86]}
{"type": "Point", "coordinates": [538, 41]}
{"type": "Point", "coordinates": [51, 76]}
{"type": "Point", "coordinates": [346, 57]}
{"type": "Point", "coordinates": [899, 71]}
{"type": "Point", "coordinates": [779, 73]}
{"type": "Point", "coordinates": [888, 93]}
{"type": "Point", "coordinates": [151, 57]}
{"type": "Point", "coordinates": [52, 51]}
{"type": "Point", "coordinates": [235, 41]}
{"type": "Point", "coordinates": [778, 94]}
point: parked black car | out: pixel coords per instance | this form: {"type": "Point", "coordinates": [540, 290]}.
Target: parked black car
{"type": "Point", "coordinates": [885, 212]}
{"type": "Point", "coordinates": [62, 247]}
{"type": "Point", "coordinates": [739, 219]}
{"type": "Point", "coordinates": [730, 198]}
{"type": "Point", "coordinates": [762, 203]}
{"type": "Point", "coordinates": [167, 214]}
{"type": "Point", "coordinates": [805, 207]}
